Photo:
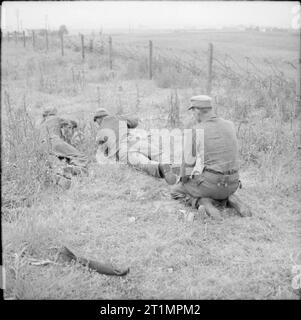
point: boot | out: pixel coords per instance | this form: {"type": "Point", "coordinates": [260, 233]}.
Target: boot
{"type": "Point", "coordinates": [166, 173]}
{"type": "Point", "coordinates": [211, 210]}
{"type": "Point", "coordinates": [63, 182]}
{"type": "Point", "coordinates": [242, 209]}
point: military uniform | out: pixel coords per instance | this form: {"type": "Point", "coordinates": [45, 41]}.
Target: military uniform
{"type": "Point", "coordinates": [217, 176]}
{"type": "Point", "coordinates": [53, 140]}
{"type": "Point", "coordinates": [130, 147]}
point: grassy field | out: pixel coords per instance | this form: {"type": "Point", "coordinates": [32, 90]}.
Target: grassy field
{"type": "Point", "coordinates": [125, 217]}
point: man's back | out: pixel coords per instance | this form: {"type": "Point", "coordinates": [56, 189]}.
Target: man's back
{"type": "Point", "coordinates": [114, 131]}
{"type": "Point", "coordinates": [51, 127]}
{"type": "Point", "coordinates": [220, 145]}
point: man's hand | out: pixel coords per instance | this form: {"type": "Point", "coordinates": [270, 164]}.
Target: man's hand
{"type": "Point", "coordinates": [101, 140]}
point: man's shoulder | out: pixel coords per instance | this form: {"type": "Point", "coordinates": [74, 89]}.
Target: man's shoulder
{"type": "Point", "coordinates": [52, 119]}
{"type": "Point", "coordinates": [109, 119]}
{"type": "Point", "coordinates": [222, 120]}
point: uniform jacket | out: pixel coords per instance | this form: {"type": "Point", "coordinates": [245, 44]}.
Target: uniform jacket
{"type": "Point", "coordinates": [114, 131]}
{"type": "Point", "coordinates": [217, 149]}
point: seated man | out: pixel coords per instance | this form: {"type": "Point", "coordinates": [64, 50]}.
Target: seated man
{"type": "Point", "coordinates": [119, 140]}
{"type": "Point", "coordinates": [210, 171]}
{"type": "Point", "coordinates": [53, 141]}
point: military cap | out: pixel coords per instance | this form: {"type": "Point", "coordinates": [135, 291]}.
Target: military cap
{"type": "Point", "coordinates": [69, 122]}
{"type": "Point", "coordinates": [200, 102]}
{"type": "Point", "coordinates": [49, 112]}
{"type": "Point", "coordinates": [73, 123]}
{"type": "Point", "coordinates": [101, 112]}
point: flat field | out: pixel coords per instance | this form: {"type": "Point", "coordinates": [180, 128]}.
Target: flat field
{"type": "Point", "coordinates": [125, 217]}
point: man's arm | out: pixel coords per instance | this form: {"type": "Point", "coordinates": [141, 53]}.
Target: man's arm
{"type": "Point", "coordinates": [188, 155]}
{"type": "Point", "coordinates": [132, 122]}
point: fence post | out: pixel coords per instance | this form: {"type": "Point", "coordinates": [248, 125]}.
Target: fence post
{"type": "Point", "coordinates": [33, 39]}
{"type": "Point", "coordinates": [24, 39]}
{"type": "Point", "coordinates": [46, 39]}
{"type": "Point", "coordinates": [83, 46]}
{"type": "Point", "coordinates": [91, 45]}
{"type": "Point", "coordinates": [62, 43]}
{"type": "Point", "coordinates": [7, 36]}
{"type": "Point", "coordinates": [150, 60]}
{"type": "Point", "coordinates": [210, 58]}
{"type": "Point", "coordinates": [98, 97]}
{"type": "Point", "coordinates": [298, 89]}
{"type": "Point", "coordinates": [110, 53]}
{"type": "Point", "coordinates": [16, 38]}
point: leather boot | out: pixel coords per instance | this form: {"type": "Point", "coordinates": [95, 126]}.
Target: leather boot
{"type": "Point", "coordinates": [242, 208]}
{"type": "Point", "coordinates": [211, 210]}
{"type": "Point", "coordinates": [166, 173]}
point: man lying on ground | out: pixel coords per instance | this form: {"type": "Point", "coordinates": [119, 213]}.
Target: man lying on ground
{"type": "Point", "coordinates": [55, 143]}
{"type": "Point", "coordinates": [118, 139]}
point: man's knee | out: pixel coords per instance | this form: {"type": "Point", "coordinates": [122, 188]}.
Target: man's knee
{"type": "Point", "coordinates": [177, 192]}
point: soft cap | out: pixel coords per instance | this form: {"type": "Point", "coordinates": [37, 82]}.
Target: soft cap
{"type": "Point", "coordinates": [49, 112]}
{"type": "Point", "coordinates": [101, 112]}
{"type": "Point", "coordinates": [201, 101]}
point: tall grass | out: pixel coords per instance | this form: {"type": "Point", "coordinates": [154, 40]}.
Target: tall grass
{"type": "Point", "coordinates": [25, 166]}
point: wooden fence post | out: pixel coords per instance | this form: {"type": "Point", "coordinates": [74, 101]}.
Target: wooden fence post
{"type": "Point", "coordinates": [210, 58]}
{"type": "Point", "coordinates": [83, 46]}
{"type": "Point", "coordinates": [98, 97]}
{"type": "Point", "coordinates": [110, 53]}
{"type": "Point", "coordinates": [150, 60]}
{"type": "Point", "coordinates": [62, 43]}
{"type": "Point", "coordinates": [24, 39]}
{"type": "Point", "coordinates": [298, 89]}
{"type": "Point", "coordinates": [33, 39]}
{"type": "Point", "coordinates": [46, 40]}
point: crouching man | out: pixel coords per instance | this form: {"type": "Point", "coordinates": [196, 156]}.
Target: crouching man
{"type": "Point", "coordinates": [210, 169]}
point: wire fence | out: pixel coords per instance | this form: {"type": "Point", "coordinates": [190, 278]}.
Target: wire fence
{"type": "Point", "coordinates": [211, 64]}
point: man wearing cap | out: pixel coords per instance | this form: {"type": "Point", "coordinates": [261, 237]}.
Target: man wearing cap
{"type": "Point", "coordinates": [68, 131]}
{"type": "Point", "coordinates": [118, 139]}
{"type": "Point", "coordinates": [54, 142]}
{"type": "Point", "coordinates": [210, 171]}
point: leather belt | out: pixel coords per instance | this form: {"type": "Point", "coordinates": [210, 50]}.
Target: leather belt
{"type": "Point", "coordinates": [219, 172]}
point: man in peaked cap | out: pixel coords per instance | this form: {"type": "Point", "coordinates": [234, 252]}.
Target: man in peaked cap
{"type": "Point", "coordinates": [210, 171]}
{"type": "Point", "coordinates": [55, 143]}
{"type": "Point", "coordinates": [130, 147]}
{"type": "Point", "coordinates": [100, 114]}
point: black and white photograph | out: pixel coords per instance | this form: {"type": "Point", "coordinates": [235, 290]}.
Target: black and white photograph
{"type": "Point", "coordinates": [150, 150]}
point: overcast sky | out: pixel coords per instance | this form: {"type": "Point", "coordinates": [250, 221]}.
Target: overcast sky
{"type": "Point", "coordinates": [151, 14]}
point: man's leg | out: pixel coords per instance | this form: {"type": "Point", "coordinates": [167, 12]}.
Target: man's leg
{"type": "Point", "coordinates": [211, 210]}
{"type": "Point", "coordinates": [140, 161]}
{"type": "Point", "coordinates": [139, 156]}
{"type": "Point", "coordinates": [179, 192]}
{"type": "Point", "coordinates": [163, 158]}
{"type": "Point", "coordinates": [242, 208]}
{"type": "Point", "coordinates": [195, 194]}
